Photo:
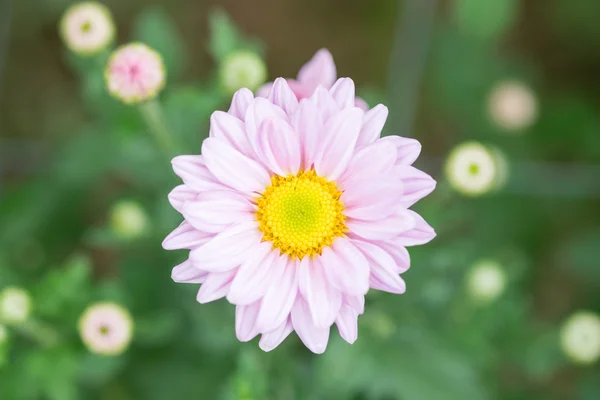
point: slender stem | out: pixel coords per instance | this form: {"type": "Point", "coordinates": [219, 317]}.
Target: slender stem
{"type": "Point", "coordinates": [407, 61]}
{"type": "Point", "coordinates": [39, 332]}
{"type": "Point", "coordinates": [153, 115]}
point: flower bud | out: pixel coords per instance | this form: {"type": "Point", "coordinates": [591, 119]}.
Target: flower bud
{"type": "Point", "coordinates": [242, 69]}
{"type": "Point", "coordinates": [135, 73]}
{"type": "Point", "coordinates": [15, 305]}
{"type": "Point", "coordinates": [128, 219]}
{"type": "Point", "coordinates": [474, 169]}
{"type": "Point", "coordinates": [87, 28]}
{"type": "Point", "coordinates": [486, 281]}
{"type": "Point", "coordinates": [106, 328]}
{"type": "Point", "coordinates": [512, 106]}
{"type": "Point", "coordinates": [580, 337]}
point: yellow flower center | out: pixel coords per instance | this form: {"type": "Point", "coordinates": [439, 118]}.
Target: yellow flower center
{"type": "Point", "coordinates": [300, 214]}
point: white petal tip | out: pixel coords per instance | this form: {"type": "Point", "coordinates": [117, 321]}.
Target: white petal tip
{"type": "Point", "coordinates": [318, 348]}
{"type": "Point", "coordinates": [350, 339]}
{"type": "Point", "coordinates": [266, 346]}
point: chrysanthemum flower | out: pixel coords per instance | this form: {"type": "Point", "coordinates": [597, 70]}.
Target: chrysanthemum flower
{"type": "Point", "coordinates": [580, 337]}
{"type": "Point", "coordinates": [87, 28]}
{"type": "Point", "coordinates": [242, 69]}
{"type": "Point", "coordinates": [486, 281]}
{"type": "Point", "coordinates": [135, 73]}
{"type": "Point", "coordinates": [15, 305]}
{"type": "Point", "coordinates": [318, 71]}
{"type": "Point", "coordinates": [512, 106]}
{"type": "Point", "coordinates": [295, 209]}
{"type": "Point", "coordinates": [474, 169]}
{"type": "Point", "coordinates": [128, 219]}
{"type": "Point", "coordinates": [106, 328]}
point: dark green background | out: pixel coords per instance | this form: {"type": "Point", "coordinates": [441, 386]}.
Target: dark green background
{"type": "Point", "coordinates": [68, 152]}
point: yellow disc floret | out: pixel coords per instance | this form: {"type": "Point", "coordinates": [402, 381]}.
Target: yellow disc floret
{"type": "Point", "coordinates": [300, 214]}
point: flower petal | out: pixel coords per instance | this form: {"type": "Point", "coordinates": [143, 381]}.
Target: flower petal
{"type": "Point", "coordinates": [215, 286]}
{"type": "Point", "coordinates": [422, 232]}
{"type": "Point", "coordinates": [384, 274]}
{"type": "Point", "coordinates": [233, 168]}
{"type": "Point", "coordinates": [320, 70]}
{"type": "Point", "coordinates": [313, 337]}
{"type": "Point", "coordinates": [279, 298]}
{"type": "Point", "coordinates": [240, 102]}
{"type": "Point", "coordinates": [259, 110]}
{"type": "Point", "coordinates": [245, 321]}
{"type": "Point", "coordinates": [357, 303]}
{"type": "Point", "coordinates": [307, 123]}
{"type": "Point", "coordinates": [282, 96]}
{"type": "Point", "coordinates": [387, 228]}
{"type": "Point", "coordinates": [231, 130]}
{"type": "Point", "coordinates": [398, 252]}
{"type": "Point", "coordinates": [361, 103]}
{"type": "Point", "coordinates": [214, 211]}
{"type": "Point", "coordinates": [324, 301]}
{"type": "Point", "coordinates": [371, 198]}
{"type": "Point", "coordinates": [345, 267]}
{"type": "Point", "coordinates": [370, 161]}
{"type": "Point", "coordinates": [417, 184]}
{"type": "Point", "coordinates": [185, 236]}
{"type": "Point", "coordinates": [187, 273]}
{"type": "Point", "coordinates": [343, 93]}
{"type": "Point", "coordinates": [408, 149]}
{"type": "Point", "coordinates": [228, 249]}
{"type": "Point", "coordinates": [324, 103]}
{"type": "Point", "coordinates": [341, 133]}
{"type": "Point", "coordinates": [270, 340]}
{"type": "Point", "coordinates": [372, 125]}
{"type": "Point", "coordinates": [278, 147]}
{"type": "Point", "coordinates": [254, 276]}
{"type": "Point", "coordinates": [347, 323]}
{"type": "Point", "coordinates": [192, 170]}
{"type": "Point", "coordinates": [264, 90]}
{"type": "Point", "coordinates": [180, 195]}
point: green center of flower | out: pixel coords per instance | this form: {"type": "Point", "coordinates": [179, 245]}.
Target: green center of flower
{"type": "Point", "coordinates": [300, 214]}
{"type": "Point", "coordinates": [86, 27]}
{"type": "Point", "coordinates": [473, 169]}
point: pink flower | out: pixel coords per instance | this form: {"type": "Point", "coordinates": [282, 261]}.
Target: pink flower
{"type": "Point", "coordinates": [135, 73]}
{"type": "Point", "coordinates": [295, 209]}
{"type": "Point", "coordinates": [319, 71]}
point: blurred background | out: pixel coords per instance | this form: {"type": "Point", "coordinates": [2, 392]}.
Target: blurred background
{"type": "Point", "coordinates": [503, 304]}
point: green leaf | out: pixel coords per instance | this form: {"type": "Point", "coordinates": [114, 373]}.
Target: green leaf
{"type": "Point", "coordinates": [154, 28]}
{"type": "Point", "coordinates": [415, 367]}
{"type": "Point", "coordinates": [579, 256]}
{"type": "Point", "coordinates": [188, 110]}
{"type": "Point", "coordinates": [3, 354]}
{"type": "Point", "coordinates": [486, 20]}
{"type": "Point", "coordinates": [251, 379]}
{"type": "Point", "coordinates": [65, 288]}
{"type": "Point", "coordinates": [96, 370]}
{"type": "Point", "coordinates": [543, 357]}
{"type": "Point", "coordinates": [83, 158]}
{"type": "Point", "coordinates": [158, 328]}
{"type": "Point", "coordinates": [212, 327]}
{"type": "Point", "coordinates": [225, 37]}
{"type": "Point", "coordinates": [53, 371]}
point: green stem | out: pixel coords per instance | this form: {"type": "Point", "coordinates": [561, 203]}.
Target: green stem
{"type": "Point", "coordinates": [407, 62]}
{"type": "Point", "coordinates": [39, 332]}
{"type": "Point", "coordinates": [153, 115]}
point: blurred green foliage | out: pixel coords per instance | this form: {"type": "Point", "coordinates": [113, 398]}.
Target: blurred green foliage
{"type": "Point", "coordinates": [435, 342]}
